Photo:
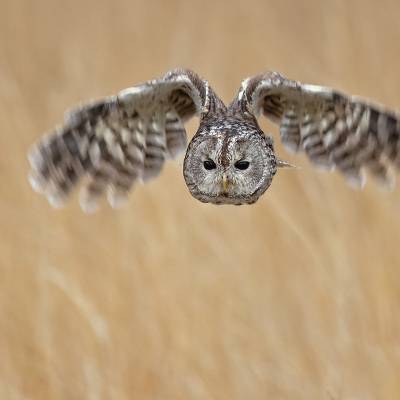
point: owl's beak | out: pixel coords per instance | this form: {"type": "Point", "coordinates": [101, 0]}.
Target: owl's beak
{"type": "Point", "coordinates": [225, 183]}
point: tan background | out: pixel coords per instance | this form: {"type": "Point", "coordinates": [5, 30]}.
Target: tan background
{"type": "Point", "coordinates": [296, 297]}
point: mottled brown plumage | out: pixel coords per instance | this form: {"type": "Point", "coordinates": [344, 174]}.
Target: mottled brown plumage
{"type": "Point", "coordinates": [117, 141]}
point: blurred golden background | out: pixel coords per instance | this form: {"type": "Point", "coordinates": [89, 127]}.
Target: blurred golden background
{"type": "Point", "coordinates": [296, 297]}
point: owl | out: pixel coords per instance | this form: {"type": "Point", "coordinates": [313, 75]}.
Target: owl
{"type": "Point", "coordinates": [118, 141]}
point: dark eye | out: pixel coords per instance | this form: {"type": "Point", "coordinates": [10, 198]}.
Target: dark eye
{"type": "Point", "coordinates": [242, 164]}
{"type": "Point", "coordinates": [209, 164]}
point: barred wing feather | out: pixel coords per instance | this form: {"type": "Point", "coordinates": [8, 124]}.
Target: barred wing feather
{"type": "Point", "coordinates": [117, 141]}
{"type": "Point", "coordinates": [336, 131]}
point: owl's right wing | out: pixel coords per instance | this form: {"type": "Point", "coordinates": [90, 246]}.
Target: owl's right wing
{"type": "Point", "coordinates": [118, 140]}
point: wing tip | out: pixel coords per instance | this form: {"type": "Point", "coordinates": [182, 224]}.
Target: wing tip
{"type": "Point", "coordinates": [117, 198]}
{"type": "Point", "coordinates": [356, 180]}
{"type": "Point", "coordinates": [88, 203]}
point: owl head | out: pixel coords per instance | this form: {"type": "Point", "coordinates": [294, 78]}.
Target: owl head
{"type": "Point", "coordinates": [229, 163]}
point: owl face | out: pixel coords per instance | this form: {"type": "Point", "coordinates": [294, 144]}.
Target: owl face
{"type": "Point", "coordinates": [229, 167]}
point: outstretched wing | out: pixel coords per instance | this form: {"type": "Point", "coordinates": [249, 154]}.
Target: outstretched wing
{"type": "Point", "coordinates": [333, 129]}
{"type": "Point", "coordinates": [118, 140]}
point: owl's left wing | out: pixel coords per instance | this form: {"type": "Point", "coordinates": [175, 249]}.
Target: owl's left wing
{"type": "Point", "coordinates": [118, 140]}
{"type": "Point", "coordinates": [336, 131]}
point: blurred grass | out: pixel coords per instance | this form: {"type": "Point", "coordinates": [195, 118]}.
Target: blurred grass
{"type": "Point", "coordinates": [296, 297]}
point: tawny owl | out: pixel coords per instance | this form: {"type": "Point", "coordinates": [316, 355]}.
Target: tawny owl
{"type": "Point", "coordinates": [123, 139]}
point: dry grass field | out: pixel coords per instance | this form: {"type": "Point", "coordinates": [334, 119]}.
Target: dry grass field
{"type": "Point", "coordinates": [296, 297]}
